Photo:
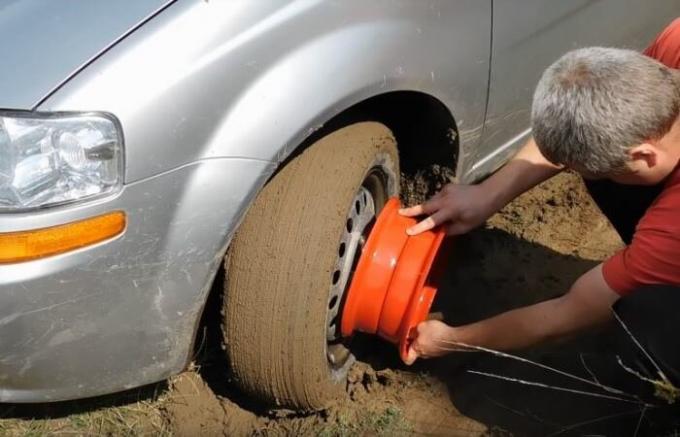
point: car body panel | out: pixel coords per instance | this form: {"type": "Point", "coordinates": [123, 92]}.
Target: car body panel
{"type": "Point", "coordinates": [46, 41]}
{"type": "Point", "coordinates": [264, 75]}
{"type": "Point", "coordinates": [122, 313]}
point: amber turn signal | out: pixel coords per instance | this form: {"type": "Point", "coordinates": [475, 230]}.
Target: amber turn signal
{"type": "Point", "coordinates": [38, 243]}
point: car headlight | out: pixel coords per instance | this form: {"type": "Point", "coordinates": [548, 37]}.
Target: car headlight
{"type": "Point", "coordinates": [50, 159]}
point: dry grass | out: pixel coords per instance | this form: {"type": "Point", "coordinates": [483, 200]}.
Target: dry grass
{"type": "Point", "coordinates": [135, 413]}
{"type": "Point", "coordinates": [385, 422]}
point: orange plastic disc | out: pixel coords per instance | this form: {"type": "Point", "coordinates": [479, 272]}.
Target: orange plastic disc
{"type": "Point", "coordinates": [392, 289]}
{"type": "Point", "coordinates": [408, 282]}
{"type": "Point", "coordinates": [374, 270]}
{"type": "Point", "coordinates": [421, 301]}
{"type": "Point", "coordinates": [417, 312]}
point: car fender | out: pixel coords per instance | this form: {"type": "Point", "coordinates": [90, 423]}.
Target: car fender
{"type": "Point", "coordinates": [205, 80]}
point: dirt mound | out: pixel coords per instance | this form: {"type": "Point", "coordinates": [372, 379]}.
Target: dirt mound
{"type": "Point", "coordinates": [194, 410]}
{"type": "Point", "coordinates": [560, 215]}
{"type": "Point", "coordinates": [384, 402]}
{"type": "Point", "coordinates": [424, 183]}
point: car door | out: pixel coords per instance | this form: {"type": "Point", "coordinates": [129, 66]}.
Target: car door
{"type": "Point", "coordinates": [528, 35]}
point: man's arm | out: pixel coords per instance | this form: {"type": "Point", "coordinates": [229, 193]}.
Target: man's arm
{"type": "Point", "coordinates": [524, 171]}
{"type": "Point", "coordinates": [461, 208]}
{"type": "Point", "coordinates": [588, 303]}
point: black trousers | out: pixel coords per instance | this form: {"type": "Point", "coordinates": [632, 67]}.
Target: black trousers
{"type": "Point", "coordinates": [651, 314]}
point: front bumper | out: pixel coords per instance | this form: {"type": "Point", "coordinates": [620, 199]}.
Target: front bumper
{"type": "Point", "coordinates": [122, 313]}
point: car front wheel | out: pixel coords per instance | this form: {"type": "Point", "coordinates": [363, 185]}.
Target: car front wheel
{"type": "Point", "coordinates": [291, 261]}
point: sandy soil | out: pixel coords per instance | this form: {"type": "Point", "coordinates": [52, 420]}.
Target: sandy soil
{"type": "Point", "coordinates": [380, 402]}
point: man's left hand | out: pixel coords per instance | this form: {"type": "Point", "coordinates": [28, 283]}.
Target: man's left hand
{"type": "Point", "coordinates": [432, 339]}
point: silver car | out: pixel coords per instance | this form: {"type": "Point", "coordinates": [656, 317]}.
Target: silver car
{"type": "Point", "coordinates": [147, 144]}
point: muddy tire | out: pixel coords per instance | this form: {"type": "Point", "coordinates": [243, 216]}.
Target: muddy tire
{"type": "Point", "coordinates": [283, 262]}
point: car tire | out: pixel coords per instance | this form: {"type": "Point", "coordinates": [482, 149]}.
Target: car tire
{"type": "Point", "coordinates": [281, 302]}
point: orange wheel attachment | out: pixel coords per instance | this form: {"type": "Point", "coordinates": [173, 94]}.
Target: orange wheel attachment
{"type": "Point", "coordinates": [374, 271]}
{"type": "Point", "coordinates": [392, 289]}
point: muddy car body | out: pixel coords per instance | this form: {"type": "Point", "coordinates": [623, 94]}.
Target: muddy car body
{"type": "Point", "coordinates": [208, 100]}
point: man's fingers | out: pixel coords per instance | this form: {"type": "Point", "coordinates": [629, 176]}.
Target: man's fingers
{"type": "Point", "coordinates": [434, 220]}
{"type": "Point", "coordinates": [422, 226]}
{"type": "Point", "coordinates": [411, 356]}
{"type": "Point", "coordinates": [413, 211]}
{"type": "Point", "coordinates": [428, 207]}
{"type": "Point", "coordinates": [457, 228]}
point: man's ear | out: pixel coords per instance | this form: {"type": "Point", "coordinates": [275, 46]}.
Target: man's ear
{"type": "Point", "coordinates": [644, 152]}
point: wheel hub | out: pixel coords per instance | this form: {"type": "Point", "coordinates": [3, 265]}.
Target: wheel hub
{"type": "Point", "coordinates": [358, 224]}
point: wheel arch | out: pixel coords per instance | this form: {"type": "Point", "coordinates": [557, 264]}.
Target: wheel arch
{"type": "Point", "coordinates": [424, 127]}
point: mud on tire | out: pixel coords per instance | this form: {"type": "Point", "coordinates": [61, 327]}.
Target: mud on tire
{"type": "Point", "coordinates": [280, 267]}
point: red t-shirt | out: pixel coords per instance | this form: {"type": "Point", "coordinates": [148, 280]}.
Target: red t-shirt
{"type": "Point", "coordinates": [653, 257]}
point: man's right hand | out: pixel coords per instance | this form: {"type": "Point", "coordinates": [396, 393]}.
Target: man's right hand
{"type": "Point", "coordinates": [459, 208]}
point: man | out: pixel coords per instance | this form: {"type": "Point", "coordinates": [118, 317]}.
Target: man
{"type": "Point", "coordinates": [613, 116]}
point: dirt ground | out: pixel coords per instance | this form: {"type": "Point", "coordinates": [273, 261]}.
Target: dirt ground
{"type": "Point", "coordinates": [531, 250]}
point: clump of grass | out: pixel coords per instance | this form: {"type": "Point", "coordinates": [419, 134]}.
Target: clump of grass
{"type": "Point", "coordinates": [342, 427]}
{"type": "Point", "coordinates": [389, 422]}
{"type": "Point", "coordinates": [386, 422]}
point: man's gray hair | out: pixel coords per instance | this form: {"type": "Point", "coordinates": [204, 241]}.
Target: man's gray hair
{"type": "Point", "coordinates": [593, 104]}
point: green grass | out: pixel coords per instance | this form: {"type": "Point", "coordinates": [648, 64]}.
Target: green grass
{"type": "Point", "coordinates": [387, 422]}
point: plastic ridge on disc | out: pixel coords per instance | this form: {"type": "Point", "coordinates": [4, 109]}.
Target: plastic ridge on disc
{"type": "Point", "coordinates": [374, 271]}
{"type": "Point", "coordinates": [392, 289]}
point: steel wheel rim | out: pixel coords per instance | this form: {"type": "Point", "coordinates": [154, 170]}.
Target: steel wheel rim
{"type": "Point", "coordinates": [366, 204]}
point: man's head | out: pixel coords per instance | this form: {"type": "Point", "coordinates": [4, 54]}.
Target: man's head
{"type": "Point", "coordinates": [609, 113]}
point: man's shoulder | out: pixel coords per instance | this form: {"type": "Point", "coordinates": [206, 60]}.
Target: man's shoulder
{"type": "Point", "coordinates": [663, 213]}
{"type": "Point", "coordinates": [653, 257]}
{"type": "Point", "coordinates": [666, 47]}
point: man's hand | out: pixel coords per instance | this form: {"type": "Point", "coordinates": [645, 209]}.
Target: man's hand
{"type": "Point", "coordinates": [432, 339]}
{"type": "Point", "coordinates": [587, 304]}
{"type": "Point", "coordinates": [459, 208]}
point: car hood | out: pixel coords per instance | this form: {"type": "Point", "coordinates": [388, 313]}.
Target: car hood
{"type": "Point", "coordinates": [43, 42]}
